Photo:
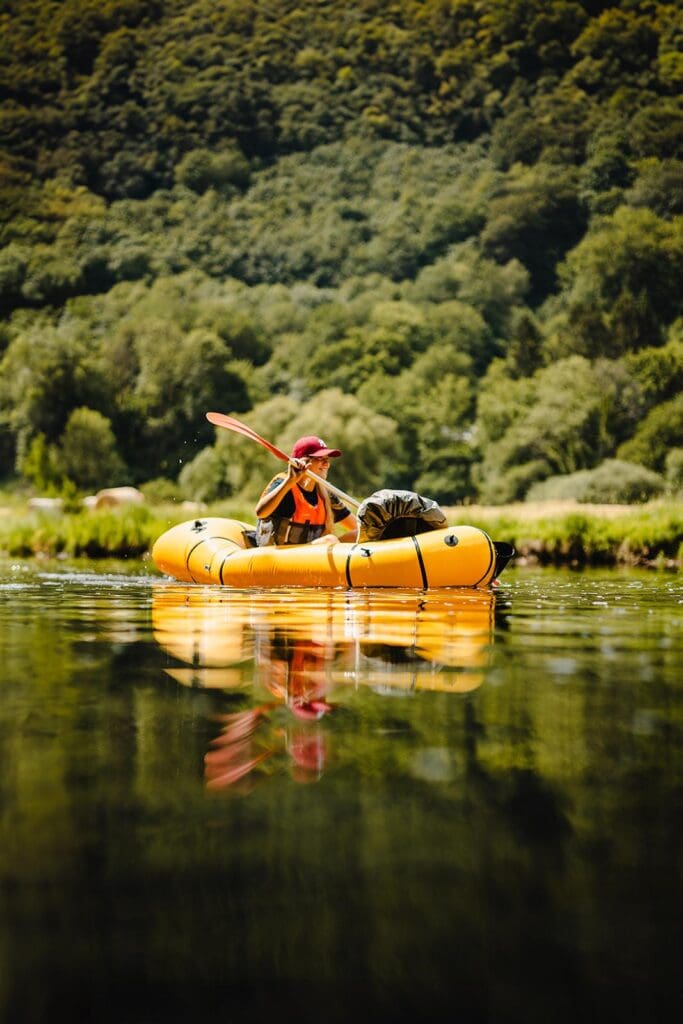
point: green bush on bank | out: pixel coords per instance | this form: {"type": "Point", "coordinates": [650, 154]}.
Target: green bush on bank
{"type": "Point", "coordinates": [612, 482]}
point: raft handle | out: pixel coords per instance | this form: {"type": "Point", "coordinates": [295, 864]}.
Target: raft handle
{"type": "Point", "coordinates": [451, 540]}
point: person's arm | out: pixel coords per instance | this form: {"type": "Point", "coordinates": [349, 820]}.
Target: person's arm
{"type": "Point", "coordinates": [343, 515]}
{"type": "Point", "coordinates": [350, 524]}
{"type": "Point", "coordinates": [268, 502]}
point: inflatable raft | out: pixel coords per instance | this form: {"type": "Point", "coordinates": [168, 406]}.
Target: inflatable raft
{"type": "Point", "coordinates": [221, 551]}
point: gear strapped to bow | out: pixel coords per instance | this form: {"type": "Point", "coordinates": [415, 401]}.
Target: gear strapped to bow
{"type": "Point", "coordinates": [387, 514]}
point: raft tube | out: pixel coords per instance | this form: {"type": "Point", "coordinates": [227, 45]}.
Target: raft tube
{"type": "Point", "coordinates": [219, 551]}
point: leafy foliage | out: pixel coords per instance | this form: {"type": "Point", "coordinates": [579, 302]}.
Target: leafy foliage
{"type": "Point", "coordinates": [612, 482]}
{"type": "Point", "coordinates": [447, 235]}
{"type": "Point", "coordinates": [87, 451]}
{"type": "Point", "coordinates": [657, 434]}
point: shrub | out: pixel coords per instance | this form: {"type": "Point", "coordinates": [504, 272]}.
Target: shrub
{"type": "Point", "coordinates": [566, 487]}
{"type": "Point", "coordinates": [40, 465]}
{"type": "Point", "coordinates": [87, 451]}
{"type": "Point", "coordinates": [513, 483]}
{"type": "Point", "coordinates": [674, 470]}
{"type": "Point", "coordinates": [203, 479]}
{"type": "Point", "coordinates": [160, 490]}
{"type": "Point", "coordinates": [616, 482]}
{"type": "Point", "coordinates": [656, 435]}
{"type": "Point", "coordinates": [202, 169]}
{"type": "Point", "coordinates": [613, 482]}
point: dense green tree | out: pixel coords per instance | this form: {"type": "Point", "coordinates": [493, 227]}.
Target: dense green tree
{"type": "Point", "coordinates": [659, 186]}
{"type": "Point", "coordinates": [176, 379]}
{"type": "Point", "coordinates": [659, 432]}
{"type": "Point", "coordinates": [45, 374]}
{"type": "Point", "coordinates": [536, 220]}
{"type": "Point", "coordinates": [445, 454]}
{"type": "Point", "coordinates": [87, 451]}
{"type": "Point", "coordinates": [201, 169]}
{"type": "Point", "coordinates": [205, 478]}
{"type": "Point", "coordinates": [555, 422]}
{"type": "Point", "coordinates": [674, 471]}
{"type": "Point", "coordinates": [658, 371]}
{"type": "Point", "coordinates": [620, 285]}
{"type": "Point", "coordinates": [39, 464]}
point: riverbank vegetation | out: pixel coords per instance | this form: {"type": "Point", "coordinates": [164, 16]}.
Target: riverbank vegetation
{"type": "Point", "coordinates": [447, 236]}
{"type": "Point", "coordinates": [562, 533]}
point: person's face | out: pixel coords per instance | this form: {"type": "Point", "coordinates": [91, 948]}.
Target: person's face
{"type": "Point", "coordinates": [319, 465]}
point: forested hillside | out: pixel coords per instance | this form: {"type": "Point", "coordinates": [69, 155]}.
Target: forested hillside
{"type": "Point", "coordinates": [446, 235]}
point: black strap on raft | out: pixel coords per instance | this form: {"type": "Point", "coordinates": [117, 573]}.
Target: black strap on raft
{"type": "Point", "coordinates": [386, 515]}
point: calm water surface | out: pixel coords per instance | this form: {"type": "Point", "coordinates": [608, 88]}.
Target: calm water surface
{"type": "Point", "coordinates": [317, 804]}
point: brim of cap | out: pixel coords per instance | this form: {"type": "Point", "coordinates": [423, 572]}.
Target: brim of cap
{"type": "Point", "coordinates": [330, 453]}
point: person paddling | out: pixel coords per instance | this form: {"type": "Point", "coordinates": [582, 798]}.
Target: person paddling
{"type": "Point", "coordinates": [294, 509]}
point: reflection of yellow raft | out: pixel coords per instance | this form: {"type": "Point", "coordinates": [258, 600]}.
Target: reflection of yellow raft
{"type": "Point", "coordinates": [218, 551]}
{"type": "Point", "coordinates": [390, 640]}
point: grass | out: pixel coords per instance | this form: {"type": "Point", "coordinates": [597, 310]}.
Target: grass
{"type": "Point", "coordinates": [565, 532]}
{"type": "Point", "coordinates": [559, 533]}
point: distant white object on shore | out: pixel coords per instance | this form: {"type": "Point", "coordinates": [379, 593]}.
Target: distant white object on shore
{"type": "Point", "coordinates": [111, 497]}
{"type": "Point", "coordinates": [46, 505]}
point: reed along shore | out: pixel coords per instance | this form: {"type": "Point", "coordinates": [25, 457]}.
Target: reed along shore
{"type": "Point", "coordinates": [545, 533]}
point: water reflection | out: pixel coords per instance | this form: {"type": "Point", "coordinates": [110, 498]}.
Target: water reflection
{"type": "Point", "coordinates": [291, 652]}
{"type": "Point", "coordinates": [513, 851]}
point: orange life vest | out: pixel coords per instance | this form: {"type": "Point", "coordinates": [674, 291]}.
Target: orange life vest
{"type": "Point", "coordinates": [306, 523]}
{"type": "Point", "coordinates": [304, 512]}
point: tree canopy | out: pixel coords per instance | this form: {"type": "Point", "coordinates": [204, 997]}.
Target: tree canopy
{"type": "Point", "coordinates": [458, 221]}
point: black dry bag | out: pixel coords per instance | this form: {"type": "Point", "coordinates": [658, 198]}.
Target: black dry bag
{"type": "Point", "coordinates": [387, 514]}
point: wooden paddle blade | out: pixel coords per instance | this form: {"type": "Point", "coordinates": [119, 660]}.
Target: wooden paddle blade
{"type": "Point", "coordinates": [219, 419]}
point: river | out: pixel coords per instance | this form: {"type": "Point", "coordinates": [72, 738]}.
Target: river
{"type": "Point", "coordinates": [324, 804]}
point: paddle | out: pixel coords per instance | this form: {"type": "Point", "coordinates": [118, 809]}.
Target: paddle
{"type": "Point", "coordinates": [219, 419]}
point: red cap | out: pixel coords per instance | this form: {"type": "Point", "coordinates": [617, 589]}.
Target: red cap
{"type": "Point", "coordinates": [313, 447]}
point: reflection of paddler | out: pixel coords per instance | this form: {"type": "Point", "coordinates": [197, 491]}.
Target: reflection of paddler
{"type": "Point", "coordinates": [248, 739]}
{"type": "Point", "coordinates": [309, 754]}
{"type": "Point", "coordinates": [296, 671]}
{"type": "Point", "coordinates": [234, 754]}
{"type": "Point", "coordinates": [296, 676]}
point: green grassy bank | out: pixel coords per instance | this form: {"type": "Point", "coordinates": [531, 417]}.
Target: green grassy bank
{"type": "Point", "coordinates": [568, 533]}
{"type": "Point", "coordinates": [557, 533]}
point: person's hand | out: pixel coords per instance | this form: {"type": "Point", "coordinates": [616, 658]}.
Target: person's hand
{"type": "Point", "coordinates": [296, 468]}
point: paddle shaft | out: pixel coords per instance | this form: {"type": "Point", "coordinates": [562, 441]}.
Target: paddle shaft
{"type": "Point", "coordinates": [219, 419]}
